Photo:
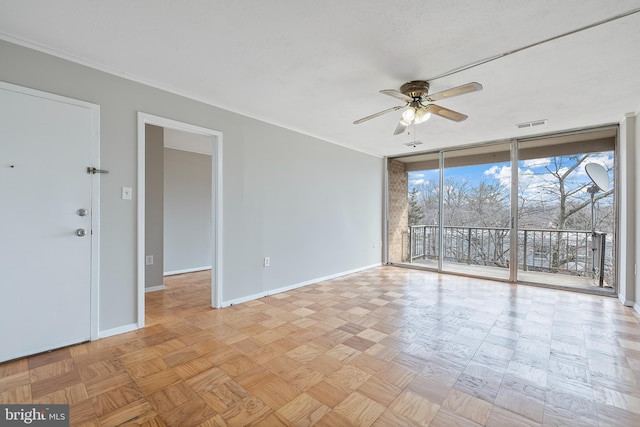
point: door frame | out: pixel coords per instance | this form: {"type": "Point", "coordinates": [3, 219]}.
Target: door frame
{"type": "Point", "coordinates": [94, 277]}
{"type": "Point", "coordinates": [216, 200]}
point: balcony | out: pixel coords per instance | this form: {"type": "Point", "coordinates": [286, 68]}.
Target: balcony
{"type": "Point", "coordinates": [565, 258]}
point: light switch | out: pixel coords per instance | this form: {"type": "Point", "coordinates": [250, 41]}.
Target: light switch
{"type": "Point", "coordinates": [126, 193]}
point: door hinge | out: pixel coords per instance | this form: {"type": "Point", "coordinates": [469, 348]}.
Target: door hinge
{"type": "Point", "coordinates": [92, 170]}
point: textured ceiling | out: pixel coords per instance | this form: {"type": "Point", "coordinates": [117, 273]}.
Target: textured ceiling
{"type": "Point", "coordinates": [316, 66]}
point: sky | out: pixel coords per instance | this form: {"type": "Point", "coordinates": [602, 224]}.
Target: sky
{"type": "Point", "coordinates": [533, 175]}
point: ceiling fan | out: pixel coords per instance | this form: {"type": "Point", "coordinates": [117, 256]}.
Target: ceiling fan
{"type": "Point", "coordinates": [416, 96]}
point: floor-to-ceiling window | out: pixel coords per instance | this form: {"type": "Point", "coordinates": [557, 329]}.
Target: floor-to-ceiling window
{"type": "Point", "coordinates": [517, 210]}
{"type": "Point", "coordinates": [565, 238]}
{"type": "Point", "coordinates": [476, 210]}
{"type": "Point", "coordinates": [423, 212]}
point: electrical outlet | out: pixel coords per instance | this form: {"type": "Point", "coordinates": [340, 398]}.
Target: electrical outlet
{"type": "Point", "coordinates": [267, 261]}
{"type": "Point", "coordinates": [148, 260]}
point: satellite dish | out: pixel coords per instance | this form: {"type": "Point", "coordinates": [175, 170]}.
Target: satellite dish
{"type": "Point", "coordinates": [598, 175]}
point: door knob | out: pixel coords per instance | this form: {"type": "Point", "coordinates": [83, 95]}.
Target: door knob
{"type": "Point", "coordinates": [81, 232]}
{"type": "Point", "coordinates": [82, 212]}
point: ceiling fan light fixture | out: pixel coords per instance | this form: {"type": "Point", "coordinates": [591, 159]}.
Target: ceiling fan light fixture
{"type": "Point", "coordinates": [422, 115]}
{"type": "Point", "coordinates": [418, 106]}
{"type": "Point", "coordinates": [408, 116]}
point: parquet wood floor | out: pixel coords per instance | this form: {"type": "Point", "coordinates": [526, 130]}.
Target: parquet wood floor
{"type": "Point", "coordinates": [384, 347]}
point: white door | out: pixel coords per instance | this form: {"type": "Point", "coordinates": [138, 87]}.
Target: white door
{"type": "Point", "coordinates": [45, 264]}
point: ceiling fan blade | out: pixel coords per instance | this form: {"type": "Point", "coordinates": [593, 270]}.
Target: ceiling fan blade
{"type": "Point", "coordinates": [396, 94]}
{"type": "Point", "coordinates": [373, 116]}
{"type": "Point", "coordinates": [400, 128]}
{"type": "Point", "coordinates": [454, 91]}
{"type": "Point", "coordinates": [446, 113]}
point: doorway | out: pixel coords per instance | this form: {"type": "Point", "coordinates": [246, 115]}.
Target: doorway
{"type": "Point", "coordinates": [215, 228]}
{"type": "Point", "coordinates": [476, 212]}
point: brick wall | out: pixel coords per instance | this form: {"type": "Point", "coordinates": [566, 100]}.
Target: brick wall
{"type": "Point", "coordinates": [398, 211]}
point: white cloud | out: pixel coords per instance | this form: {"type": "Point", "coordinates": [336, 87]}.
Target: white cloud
{"type": "Point", "coordinates": [501, 173]}
{"type": "Point", "coordinates": [536, 163]}
{"type": "Point", "coordinates": [492, 170]}
{"type": "Point", "coordinates": [534, 184]}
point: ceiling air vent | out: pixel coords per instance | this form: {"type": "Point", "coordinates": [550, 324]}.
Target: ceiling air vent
{"type": "Point", "coordinates": [413, 143]}
{"type": "Point", "coordinates": [531, 124]}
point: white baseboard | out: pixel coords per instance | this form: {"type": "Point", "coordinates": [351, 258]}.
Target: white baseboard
{"type": "Point", "coordinates": [187, 270]}
{"type": "Point", "coordinates": [295, 286]}
{"type": "Point", "coordinates": [154, 288]}
{"type": "Point", "coordinates": [118, 330]}
{"type": "Point", "coordinates": [625, 301]}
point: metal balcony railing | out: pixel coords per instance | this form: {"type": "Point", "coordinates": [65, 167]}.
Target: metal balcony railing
{"type": "Point", "coordinates": [574, 252]}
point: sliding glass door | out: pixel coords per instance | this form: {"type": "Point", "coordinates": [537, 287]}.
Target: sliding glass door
{"type": "Point", "coordinates": [522, 210]}
{"type": "Point", "coordinates": [476, 211]}
{"type": "Point", "coordinates": [566, 238]}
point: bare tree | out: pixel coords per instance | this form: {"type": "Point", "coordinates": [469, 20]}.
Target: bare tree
{"type": "Point", "coordinates": [428, 198]}
{"type": "Point", "coordinates": [562, 191]}
{"type": "Point", "coordinates": [553, 196]}
{"type": "Point", "coordinates": [560, 202]}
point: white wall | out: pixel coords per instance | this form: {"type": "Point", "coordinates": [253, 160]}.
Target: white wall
{"type": "Point", "coordinates": [154, 202]}
{"type": "Point", "coordinates": [315, 208]}
{"type": "Point", "coordinates": [299, 208]}
{"type": "Point", "coordinates": [187, 211]}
